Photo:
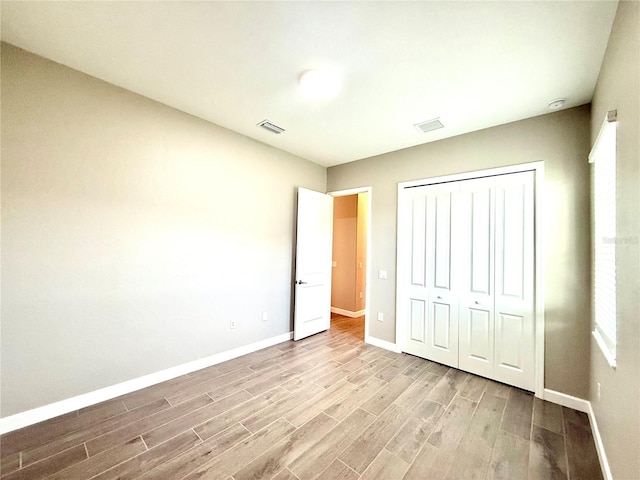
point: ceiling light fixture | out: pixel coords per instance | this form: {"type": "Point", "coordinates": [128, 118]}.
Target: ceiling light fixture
{"type": "Point", "coordinates": [557, 103]}
{"type": "Point", "coordinates": [320, 84]}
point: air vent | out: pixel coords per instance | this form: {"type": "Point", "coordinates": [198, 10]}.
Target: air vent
{"type": "Point", "coordinates": [267, 125]}
{"type": "Point", "coordinates": [429, 125]}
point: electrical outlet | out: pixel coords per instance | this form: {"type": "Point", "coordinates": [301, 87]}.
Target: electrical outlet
{"type": "Point", "coordinates": [265, 316]}
{"type": "Point", "coordinates": [598, 391]}
{"type": "Point", "coordinates": [380, 316]}
{"type": "Point", "coordinates": [232, 325]}
{"type": "Point", "coordinates": [382, 274]}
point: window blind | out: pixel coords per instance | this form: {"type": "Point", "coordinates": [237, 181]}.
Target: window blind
{"type": "Point", "coordinates": [603, 157]}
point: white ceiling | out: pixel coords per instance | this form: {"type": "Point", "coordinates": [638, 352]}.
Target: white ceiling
{"type": "Point", "coordinates": [473, 64]}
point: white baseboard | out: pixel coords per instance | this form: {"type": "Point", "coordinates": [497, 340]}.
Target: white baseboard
{"type": "Point", "coordinates": [376, 342]}
{"type": "Point", "coordinates": [583, 406]}
{"type": "Point", "coordinates": [29, 417]}
{"type": "Point", "coordinates": [567, 400]}
{"type": "Point", "coordinates": [347, 313]}
{"type": "Point", "coordinates": [602, 455]}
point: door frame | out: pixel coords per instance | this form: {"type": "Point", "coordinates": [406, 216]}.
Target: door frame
{"type": "Point", "coordinates": [539, 223]}
{"type": "Point", "coordinates": [355, 191]}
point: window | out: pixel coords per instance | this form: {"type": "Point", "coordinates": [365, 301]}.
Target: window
{"type": "Point", "coordinates": [603, 157]}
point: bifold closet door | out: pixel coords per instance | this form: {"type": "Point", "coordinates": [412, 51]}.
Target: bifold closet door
{"type": "Point", "coordinates": [514, 281]}
{"type": "Point", "coordinates": [432, 302]}
{"type": "Point", "coordinates": [475, 253]}
{"type": "Point", "coordinates": [470, 276]}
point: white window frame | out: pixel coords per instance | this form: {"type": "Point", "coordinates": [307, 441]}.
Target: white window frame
{"type": "Point", "coordinates": [603, 157]}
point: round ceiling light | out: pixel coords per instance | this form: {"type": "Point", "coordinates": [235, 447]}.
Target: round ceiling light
{"type": "Point", "coordinates": [320, 84]}
{"type": "Point", "coordinates": [557, 103]}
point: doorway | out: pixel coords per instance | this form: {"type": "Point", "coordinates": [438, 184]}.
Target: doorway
{"type": "Point", "coordinates": [349, 272]}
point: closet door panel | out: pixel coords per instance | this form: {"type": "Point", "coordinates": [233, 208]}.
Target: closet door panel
{"type": "Point", "coordinates": [475, 264]}
{"type": "Point", "coordinates": [442, 320]}
{"type": "Point", "coordinates": [441, 253]}
{"type": "Point", "coordinates": [514, 304]}
{"type": "Point", "coordinates": [512, 230]}
{"type": "Point", "coordinates": [479, 335]}
{"type": "Point", "coordinates": [418, 242]}
{"type": "Point", "coordinates": [441, 326]}
{"type": "Point", "coordinates": [418, 330]}
{"type": "Point", "coordinates": [510, 333]}
{"type": "Point", "coordinates": [416, 338]}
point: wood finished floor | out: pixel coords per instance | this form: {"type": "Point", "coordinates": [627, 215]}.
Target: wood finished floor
{"type": "Point", "coordinates": [328, 407]}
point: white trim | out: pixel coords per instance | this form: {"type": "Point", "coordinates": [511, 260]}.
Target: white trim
{"type": "Point", "coordinates": [402, 261]}
{"type": "Point", "coordinates": [565, 400]}
{"type": "Point", "coordinates": [602, 455]}
{"type": "Point", "coordinates": [583, 406]}
{"type": "Point", "coordinates": [539, 223]}
{"type": "Point", "coordinates": [491, 172]}
{"type": "Point", "coordinates": [349, 191]}
{"type": "Point", "coordinates": [354, 191]}
{"type": "Point", "coordinates": [376, 342]}
{"type": "Point", "coordinates": [539, 256]}
{"type": "Point", "coordinates": [611, 117]}
{"type": "Point", "coordinates": [603, 156]}
{"type": "Point", "coordinates": [29, 417]}
{"type": "Point", "coordinates": [611, 360]}
{"type": "Point", "coordinates": [347, 313]}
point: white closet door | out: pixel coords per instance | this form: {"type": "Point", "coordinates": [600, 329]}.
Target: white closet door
{"type": "Point", "coordinates": [475, 266]}
{"type": "Point", "coordinates": [442, 318]}
{"type": "Point", "coordinates": [470, 276]}
{"type": "Point", "coordinates": [514, 276]}
{"type": "Point", "coordinates": [416, 341]}
{"type": "Point", "coordinates": [432, 304]}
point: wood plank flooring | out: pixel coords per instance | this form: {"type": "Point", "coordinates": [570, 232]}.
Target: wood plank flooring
{"type": "Point", "coordinates": [327, 407]}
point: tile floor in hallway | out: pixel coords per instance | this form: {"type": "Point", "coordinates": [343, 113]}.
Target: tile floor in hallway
{"type": "Point", "coordinates": [328, 407]}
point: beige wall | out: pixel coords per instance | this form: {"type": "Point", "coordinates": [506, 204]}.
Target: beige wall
{"type": "Point", "coordinates": [345, 229]}
{"type": "Point", "coordinates": [618, 88]}
{"type": "Point", "coordinates": [132, 234]}
{"type": "Point", "coordinates": [560, 139]}
{"type": "Point", "coordinates": [349, 252]}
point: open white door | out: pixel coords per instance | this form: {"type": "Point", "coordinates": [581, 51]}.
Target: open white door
{"type": "Point", "coordinates": [312, 312]}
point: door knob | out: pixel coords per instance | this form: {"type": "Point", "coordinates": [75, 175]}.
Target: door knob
{"type": "Point", "coordinates": [477, 302]}
{"type": "Point", "coordinates": [300, 282]}
{"type": "Point", "coordinates": [439, 297]}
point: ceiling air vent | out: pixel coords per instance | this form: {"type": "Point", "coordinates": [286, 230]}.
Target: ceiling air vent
{"type": "Point", "coordinates": [267, 125]}
{"type": "Point", "coordinates": [429, 125]}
